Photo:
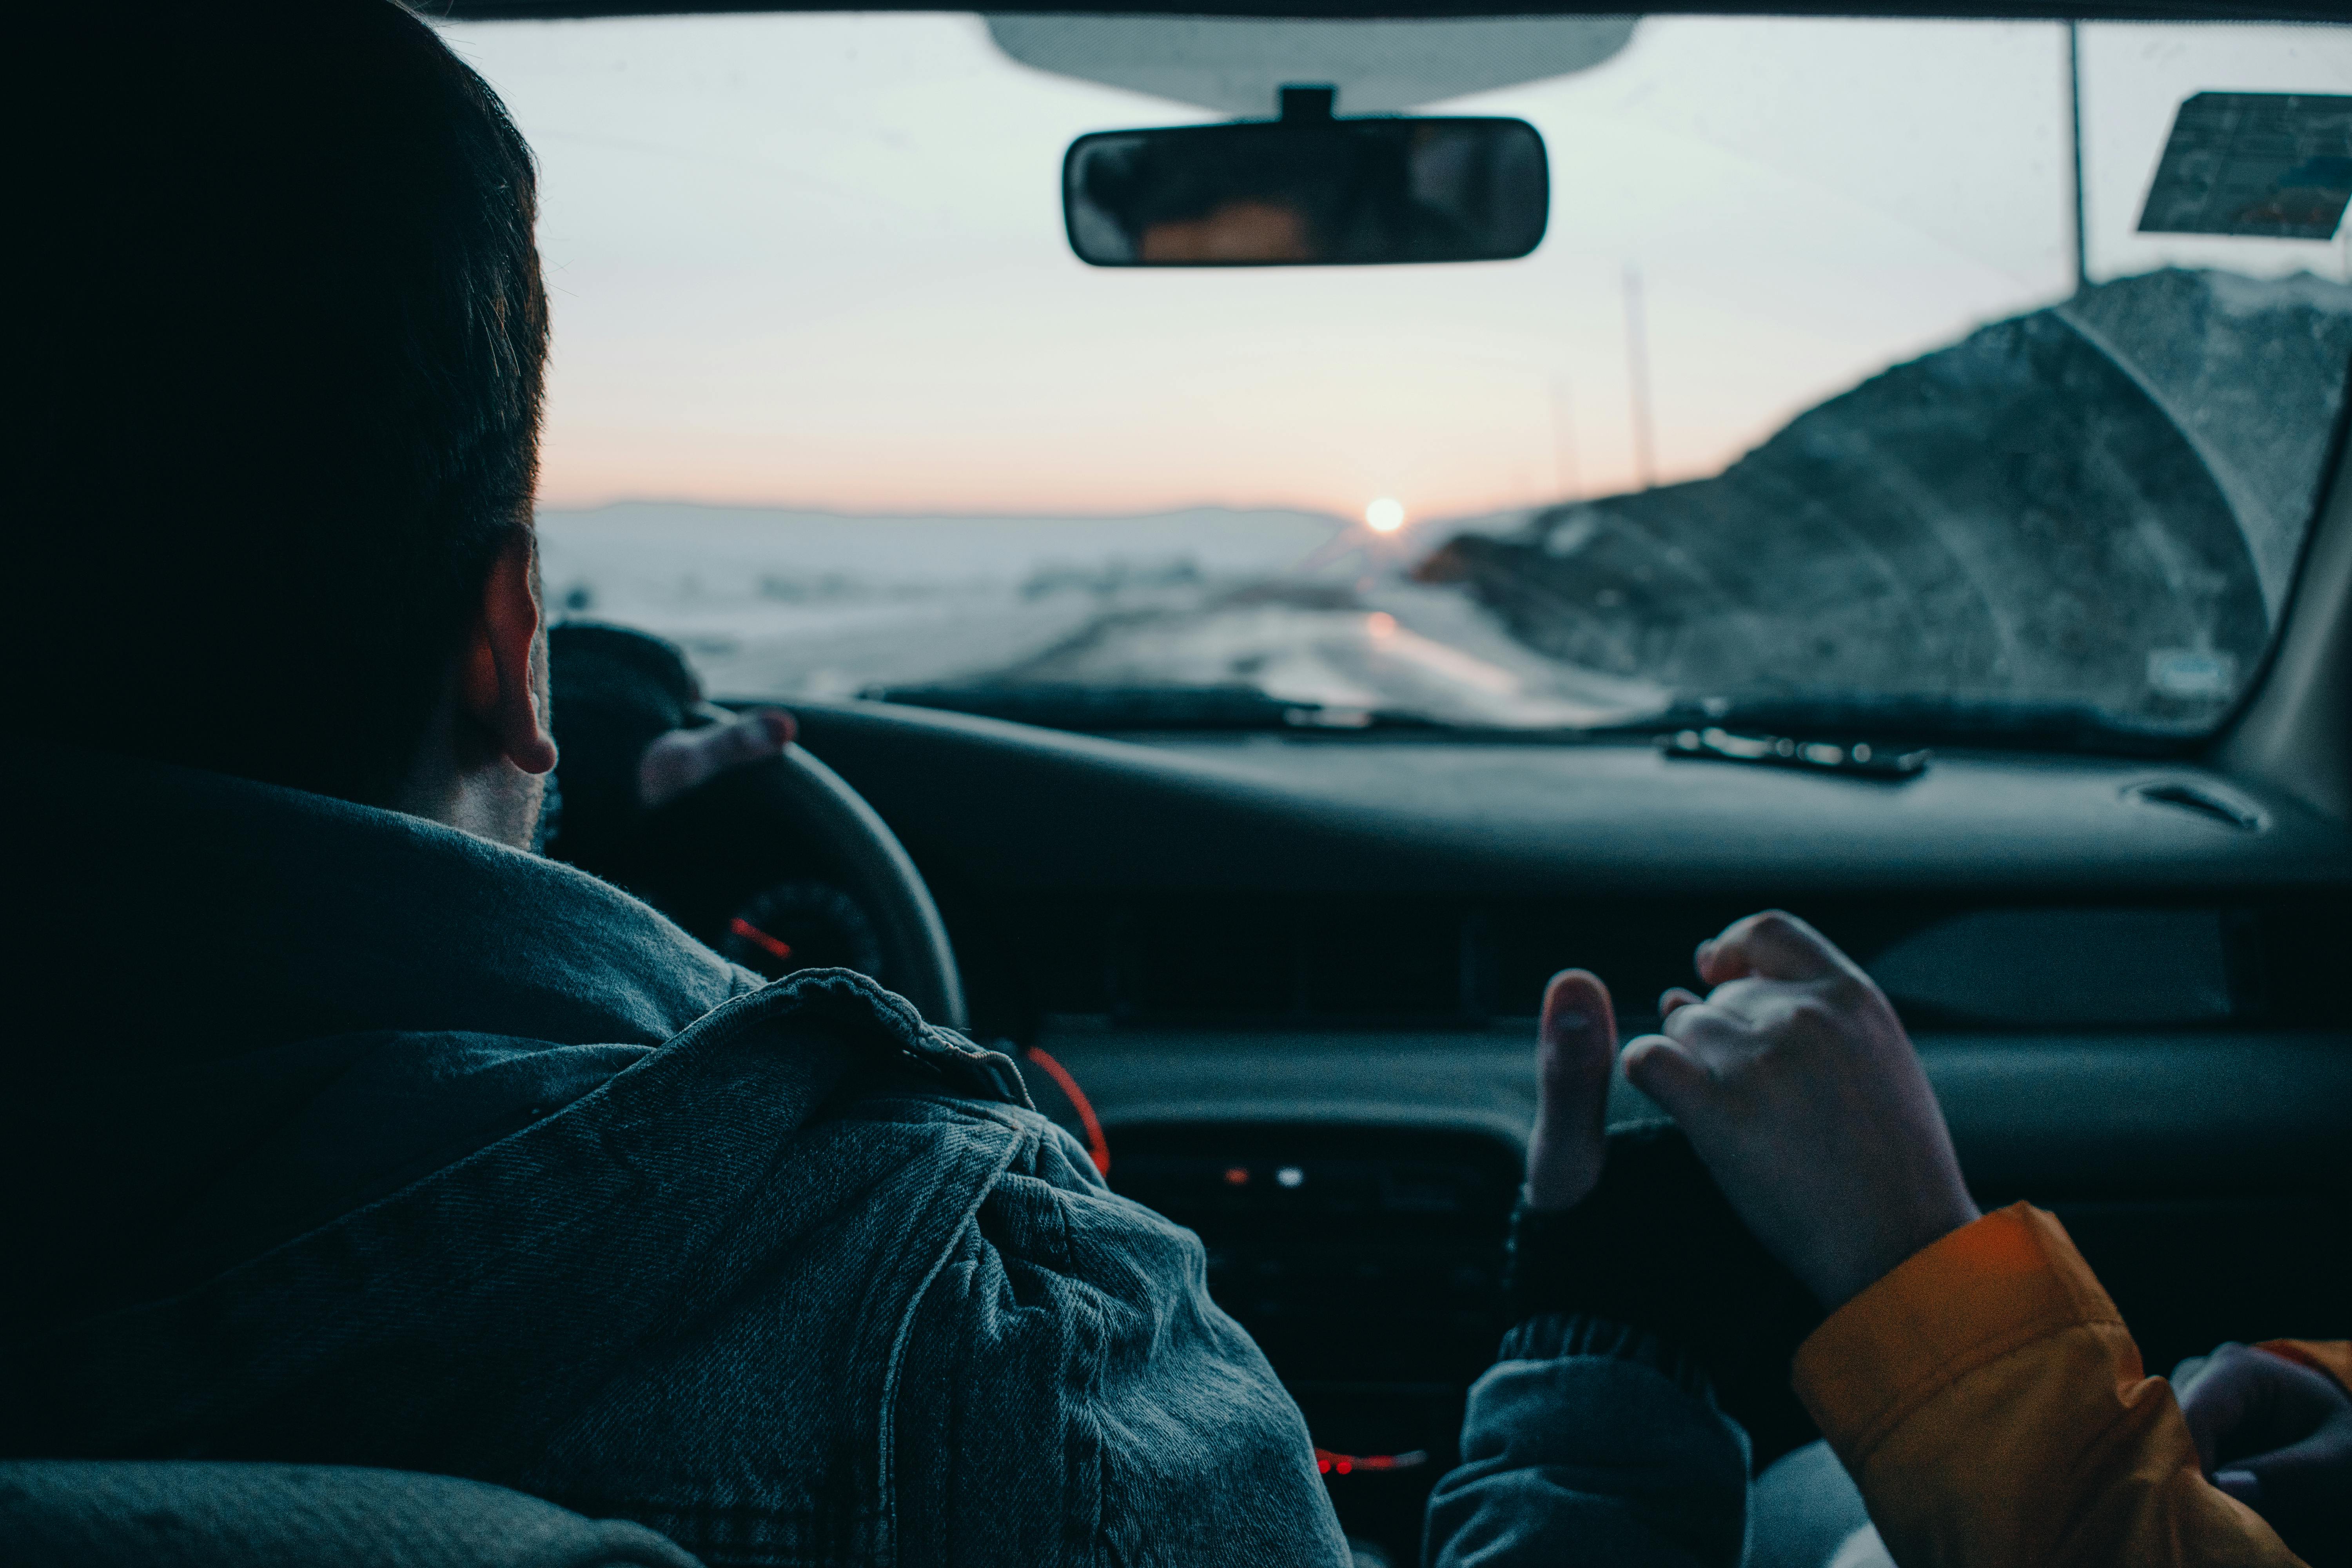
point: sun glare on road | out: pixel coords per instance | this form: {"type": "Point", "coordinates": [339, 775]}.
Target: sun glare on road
{"type": "Point", "coordinates": [1385, 515]}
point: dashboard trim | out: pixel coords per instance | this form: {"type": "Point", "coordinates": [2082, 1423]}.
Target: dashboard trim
{"type": "Point", "coordinates": [1016, 807]}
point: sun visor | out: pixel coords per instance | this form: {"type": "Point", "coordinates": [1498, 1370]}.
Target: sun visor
{"type": "Point", "coordinates": [1238, 65]}
{"type": "Point", "coordinates": [2268, 165]}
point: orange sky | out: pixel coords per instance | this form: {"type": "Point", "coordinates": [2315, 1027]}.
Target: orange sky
{"type": "Point", "coordinates": [818, 260]}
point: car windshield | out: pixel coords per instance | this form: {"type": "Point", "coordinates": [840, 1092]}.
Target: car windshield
{"type": "Point", "coordinates": [1816, 398]}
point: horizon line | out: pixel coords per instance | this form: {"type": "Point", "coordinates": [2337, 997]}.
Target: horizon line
{"type": "Point", "coordinates": [1345, 519]}
{"type": "Point", "coordinates": [989, 515]}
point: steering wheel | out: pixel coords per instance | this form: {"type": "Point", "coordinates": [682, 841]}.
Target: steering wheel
{"type": "Point", "coordinates": [916, 953]}
{"type": "Point", "coordinates": [777, 861]}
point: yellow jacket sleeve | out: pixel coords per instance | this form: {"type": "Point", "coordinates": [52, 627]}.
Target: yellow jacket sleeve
{"type": "Point", "coordinates": [1992, 1406]}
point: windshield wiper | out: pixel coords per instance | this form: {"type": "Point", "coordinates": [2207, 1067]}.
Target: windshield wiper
{"type": "Point", "coordinates": [1857, 758]}
{"type": "Point", "coordinates": [1071, 706]}
{"type": "Point", "coordinates": [1891, 726]}
{"type": "Point", "coordinates": [1897, 722]}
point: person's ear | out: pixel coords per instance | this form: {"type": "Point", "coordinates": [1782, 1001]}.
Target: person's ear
{"type": "Point", "coordinates": [503, 684]}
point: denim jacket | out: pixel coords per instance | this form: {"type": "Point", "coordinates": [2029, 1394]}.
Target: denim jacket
{"type": "Point", "coordinates": [410, 1150]}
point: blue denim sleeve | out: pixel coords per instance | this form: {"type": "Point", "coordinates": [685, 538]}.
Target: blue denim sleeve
{"type": "Point", "coordinates": [1588, 1443]}
{"type": "Point", "coordinates": [1069, 1394]}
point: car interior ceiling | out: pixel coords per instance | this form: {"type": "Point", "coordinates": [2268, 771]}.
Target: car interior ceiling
{"type": "Point", "coordinates": [1290, 977]}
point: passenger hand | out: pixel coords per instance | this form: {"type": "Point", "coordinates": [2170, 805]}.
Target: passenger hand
{"type": "Point", "coordinates": [1799, 1089]}
{"type": "Point", "coordinates": [1631, 1227]}
{"type": "Point", "coordinates": [675, 763]}
{"type": "Point", "coordinates": [2278, 1436]}
{"type": "Point", "coordinates": [1576, 1047]}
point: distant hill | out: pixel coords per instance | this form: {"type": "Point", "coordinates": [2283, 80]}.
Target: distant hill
{"type": "Point", "coordinates": [635, 553]}
{"type": "Point", "coordinates": [787, 604]}
{"type": "Point", "coordinates": [2097, 502]}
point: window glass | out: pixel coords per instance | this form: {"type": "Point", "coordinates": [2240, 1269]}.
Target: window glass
{"type": "Point", "coordinates": [1797, 406]}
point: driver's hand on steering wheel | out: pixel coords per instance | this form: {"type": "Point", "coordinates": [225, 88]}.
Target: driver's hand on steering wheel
{"type": "Point", "coordinates": [677, 762]}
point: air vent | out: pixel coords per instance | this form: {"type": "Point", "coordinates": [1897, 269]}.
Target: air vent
{"type": "Point", "coordinates": [1369, 1254]}
{"type": "Point", "coordinates": [1272, 960]}
{"type": "Point", "coordinates": [2209, 803]}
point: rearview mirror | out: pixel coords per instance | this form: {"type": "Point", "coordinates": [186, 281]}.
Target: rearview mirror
{"type": "Point", "coordinates": [1306, 190]}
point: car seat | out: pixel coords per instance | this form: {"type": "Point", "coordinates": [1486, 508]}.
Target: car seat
{"type": "Point", "coordinates": [81, 1513]}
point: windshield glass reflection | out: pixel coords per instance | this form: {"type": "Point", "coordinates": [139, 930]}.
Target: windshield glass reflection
{"type": "Point", "coordinates": [1799, 401]}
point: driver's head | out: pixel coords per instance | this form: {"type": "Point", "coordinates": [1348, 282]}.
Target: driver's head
{"type": "Point", "coordinates": [277, 367]}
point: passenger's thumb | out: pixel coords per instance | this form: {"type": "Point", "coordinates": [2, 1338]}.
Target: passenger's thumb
{"type": "Point", "coordinates": [1668, 1074]}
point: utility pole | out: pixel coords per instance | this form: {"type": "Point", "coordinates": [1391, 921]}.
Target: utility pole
{"type": "Point", "coordinates": [2075, 119]}
{"type": "Point", "coordinates": [1637, 381]}
{"type": "Point", "coordinates": [1563, 442]}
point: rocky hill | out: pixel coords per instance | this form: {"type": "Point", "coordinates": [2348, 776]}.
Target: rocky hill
{"type": "Point", "coordinates": [2100, 502]}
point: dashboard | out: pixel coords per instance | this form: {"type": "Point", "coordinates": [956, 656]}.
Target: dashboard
{"type": "Point", "coordinates": [1289, 982]}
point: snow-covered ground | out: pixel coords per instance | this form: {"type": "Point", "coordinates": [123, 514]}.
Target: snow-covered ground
{"type": "Point", "coordinates": [1305, 606]}
{"type": "Point", "coordinates": [784, 604]}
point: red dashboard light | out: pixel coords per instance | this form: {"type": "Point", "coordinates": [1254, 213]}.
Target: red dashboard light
{"type": "Point", "coordinates": [1333, 1464]}
{"type": "Point", "coordinates": [781, 951]}
{"type": "Point", "coordinates": [1237, 1176]}
{"type": "Point", "coordinates": [1098, 1146]}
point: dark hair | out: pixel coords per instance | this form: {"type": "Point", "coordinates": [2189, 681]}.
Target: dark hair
{"type": "Point", "coordinates": [284, 340]}
{"type": "Point", "coordinates": [1152, 181]}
